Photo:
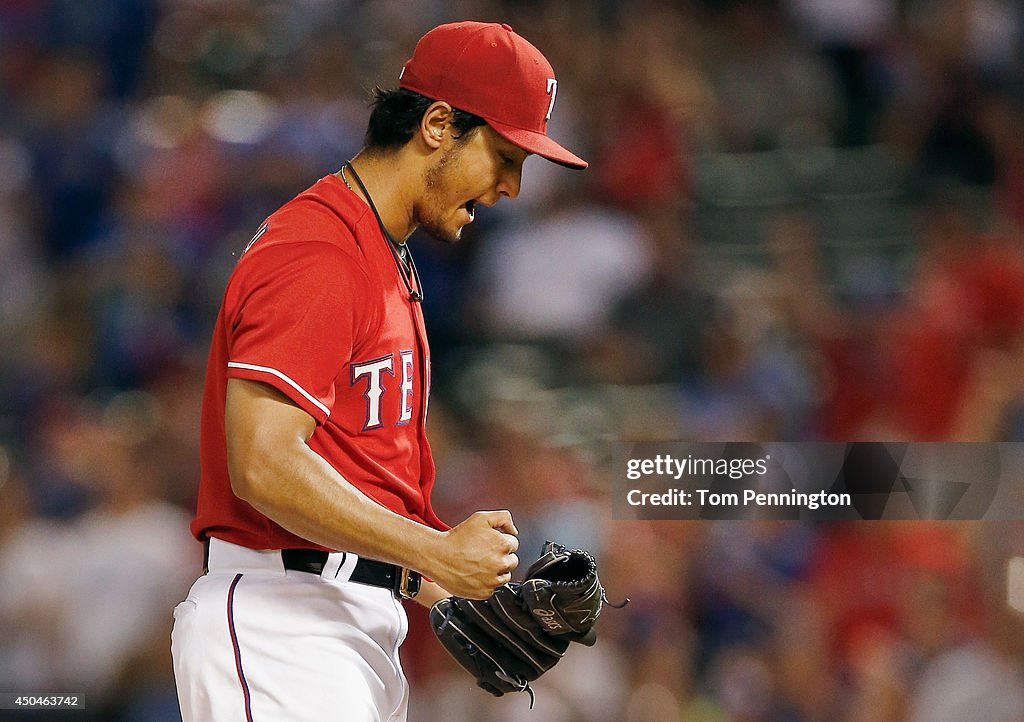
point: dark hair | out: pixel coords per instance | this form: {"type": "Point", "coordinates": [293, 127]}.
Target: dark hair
{"type": "Point", "coordinates": [397, 113]}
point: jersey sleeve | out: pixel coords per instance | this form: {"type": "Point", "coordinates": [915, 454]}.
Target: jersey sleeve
{"type": "Point", "coordinates": [293, 326]}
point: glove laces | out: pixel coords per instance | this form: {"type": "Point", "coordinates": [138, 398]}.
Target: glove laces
{"type": "Point", "coordinates": [604, 600]}
{"type": "Point", "coordinates": [519, 683]}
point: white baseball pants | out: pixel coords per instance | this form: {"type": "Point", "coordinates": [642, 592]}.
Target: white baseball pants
{"type": "Point", "coordinates": [254, 642]}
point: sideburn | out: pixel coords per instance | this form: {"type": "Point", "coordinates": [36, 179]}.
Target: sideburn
{"type": "Point", "coordinates": [434, 173]}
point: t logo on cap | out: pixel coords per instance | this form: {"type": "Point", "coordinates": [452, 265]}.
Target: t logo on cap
{"type": "Point", "coordinates": [488, 70]}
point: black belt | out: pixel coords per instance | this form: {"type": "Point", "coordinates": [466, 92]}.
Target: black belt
{"type": "Point", "coordinates": [403, 583]}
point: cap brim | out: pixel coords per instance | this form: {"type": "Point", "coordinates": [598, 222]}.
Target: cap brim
{"type": "Point", "coordinates": [539, 144]}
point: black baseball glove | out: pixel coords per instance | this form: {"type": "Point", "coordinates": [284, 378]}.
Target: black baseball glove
{"type": "Point", "coordinates": [521, 631]}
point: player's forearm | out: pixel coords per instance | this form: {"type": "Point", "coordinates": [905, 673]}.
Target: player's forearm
{"type": "Point", "coordinates": [272, 468]}
{"type": "Point", "coordinates": [296, 488]}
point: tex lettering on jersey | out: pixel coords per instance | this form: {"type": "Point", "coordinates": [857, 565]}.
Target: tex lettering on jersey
{"type": "Point", "coordinates": [371, 375]}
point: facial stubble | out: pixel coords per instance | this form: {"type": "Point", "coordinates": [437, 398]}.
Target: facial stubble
{"type": "Point", "coordinates": [435, 180]}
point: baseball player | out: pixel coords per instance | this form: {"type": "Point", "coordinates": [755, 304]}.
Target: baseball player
{"type": "Point", "coordinates": [314, 501]}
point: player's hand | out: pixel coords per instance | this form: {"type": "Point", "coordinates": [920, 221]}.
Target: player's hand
{"type": "Point", "coordinates": [478, 555]}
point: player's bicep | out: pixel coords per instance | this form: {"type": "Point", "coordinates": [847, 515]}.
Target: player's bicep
{"type": "Point", "coordinates": [293, 327]}
{"type": "Point", "coordinates": [261, 424]}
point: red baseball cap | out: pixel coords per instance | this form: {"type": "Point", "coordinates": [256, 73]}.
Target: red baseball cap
{"type": "Point", "coordinates": [487, 70]}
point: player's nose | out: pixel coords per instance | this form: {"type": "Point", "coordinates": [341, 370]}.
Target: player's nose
{"type": "Point", "coordinates": [510, 183]}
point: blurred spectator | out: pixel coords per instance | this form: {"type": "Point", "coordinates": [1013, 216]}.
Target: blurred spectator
{"type": "Point", "coordinates": [852, 36]}
{"type": "Point", "coordinates": [24, 616]}
{"type": "Point", "coordinates": [655, 330]}
{"type": "Point", "coordinates": [657, 103]}
{"type": "Point", "coordinates": [969, 682]}
{"type": "Point", "coordinates": [69, 129]}
{"type": "Point", "coordinates": [966, 297]}
{"type": "Point", "coordinates": [557, 277]}
{"type": "Point", "coordinates": [745, 579]}
{"type": "Point", "coordinates": [102, 630]}
{"type": "Point", "coordinates": [770, 92]}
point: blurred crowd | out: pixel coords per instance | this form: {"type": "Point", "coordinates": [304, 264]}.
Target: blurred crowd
{"type": "Point", "coordinates": [803, 221]}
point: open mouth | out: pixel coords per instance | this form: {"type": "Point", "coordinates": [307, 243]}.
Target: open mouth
{"type": "Point", "coordinates": [470, 207]}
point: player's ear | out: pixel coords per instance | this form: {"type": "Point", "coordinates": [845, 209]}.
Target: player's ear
{"type": "Point", "coordinates": [434, 123]}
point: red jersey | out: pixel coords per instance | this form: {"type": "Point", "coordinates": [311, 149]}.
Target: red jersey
{"type": "Point", "coordinates": [316, 307]}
